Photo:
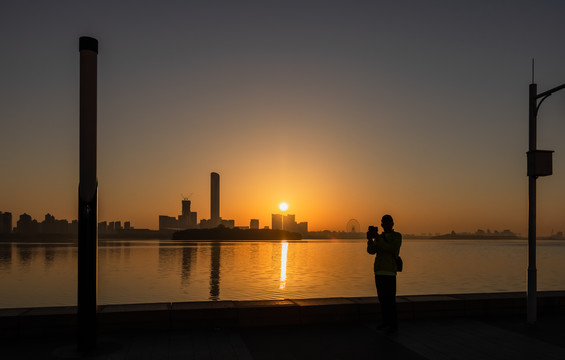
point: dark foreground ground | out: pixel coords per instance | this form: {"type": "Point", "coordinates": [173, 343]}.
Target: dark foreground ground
{"type": "Point", "coordinates": [499, 337]}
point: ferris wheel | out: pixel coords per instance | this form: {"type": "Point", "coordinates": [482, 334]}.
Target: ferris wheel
{"type": "Point", "coordinates": [353, 226]}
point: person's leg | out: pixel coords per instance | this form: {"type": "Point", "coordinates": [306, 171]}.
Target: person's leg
{"type": "Point", "coordinates": [381, 283]}
{"type": "Point", "coordinates": [386, 289]}
{"type": "Point", "coordinates": [393, 320]}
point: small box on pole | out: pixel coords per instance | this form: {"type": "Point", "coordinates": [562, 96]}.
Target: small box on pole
{"type": "Point", "coordinates": [540, 162]}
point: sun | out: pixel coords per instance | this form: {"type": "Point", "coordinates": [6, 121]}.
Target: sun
{"type": "Point", "coordinates": [283, 206]}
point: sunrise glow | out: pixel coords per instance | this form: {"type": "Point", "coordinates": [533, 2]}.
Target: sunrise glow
{"type": "Point", "coordinates": [283, 206]}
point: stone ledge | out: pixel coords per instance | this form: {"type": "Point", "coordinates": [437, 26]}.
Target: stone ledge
{"type": "Point", "coordinates": [57, 321]}
{"type": "Point", "coordinates": [267, 312]}
{"type": "Point", "coordinates": [327, 310]}
{"type": "Point", "coordinates": [203, 314]}
{"type": "Point", "coordinates": [368, 308]}
{"type": "Point", "coordinates": [134, 316]}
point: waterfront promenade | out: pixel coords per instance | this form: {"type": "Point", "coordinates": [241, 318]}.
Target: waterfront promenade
{"type": "Point", "coordinates": [471, 326]}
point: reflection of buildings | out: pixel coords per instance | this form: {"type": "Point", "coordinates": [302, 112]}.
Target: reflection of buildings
{"type": "Point", "coordinates": [49, 255]}
{"type": "Point", "coordinates": [188, 256]}
{"type": "Point", "coordinates": [174, 259]}
{"type": "Point", "coordinates": [288, 223]}
{"type": "Point", "coordinates": [5, 222]}
{"type": "Point", "coordinates": [215, 271]}
{"type": "Point", "coordinates": [171, 257]}
{"type": "Point", "coordinates": [5, 257]}
{"type": "Point", "coordinates": [25, 254]}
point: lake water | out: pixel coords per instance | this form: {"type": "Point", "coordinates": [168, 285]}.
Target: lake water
{"type": "Point", "coordinates": [34, 274]}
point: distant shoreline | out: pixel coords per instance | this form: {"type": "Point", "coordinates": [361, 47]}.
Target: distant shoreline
{"type": "Point", "coordinates": [239, 234]}
{"type": "Point", "coordinates": [235, 234]}
{"type": "Point", "coordinates": [474, 237]}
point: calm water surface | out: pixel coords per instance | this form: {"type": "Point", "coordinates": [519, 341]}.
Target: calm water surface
{"type": "Point", "coordinates": [33, 274]}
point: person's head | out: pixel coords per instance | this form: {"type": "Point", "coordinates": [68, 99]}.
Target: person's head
{"type": "Point", "coordinates": [387, 223]}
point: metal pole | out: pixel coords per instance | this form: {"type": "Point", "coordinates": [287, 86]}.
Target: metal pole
{"type": "Point", "coordinates": [87, 199]}
{"type": "Point", "coordinates": [532, 272]}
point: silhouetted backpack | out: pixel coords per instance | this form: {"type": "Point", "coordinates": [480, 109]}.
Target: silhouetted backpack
{"type": "Point", "coordinates": [399, 264]}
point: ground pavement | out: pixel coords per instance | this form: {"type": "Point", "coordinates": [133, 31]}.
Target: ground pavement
{"type": "Point", "coordinates": [434, 338]}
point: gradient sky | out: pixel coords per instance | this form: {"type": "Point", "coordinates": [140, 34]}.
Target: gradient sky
{"type": "Point", "coordinates": [343, 109]}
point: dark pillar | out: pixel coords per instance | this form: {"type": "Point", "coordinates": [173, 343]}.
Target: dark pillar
{"type": "Point", "coordinates": [87, 198]}
{"type": "Point", "coordinates": [215, 197]}
{"type": "Point", "coordinates": [532, 271]}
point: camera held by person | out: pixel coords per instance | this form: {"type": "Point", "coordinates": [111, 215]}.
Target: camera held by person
{"type": "Point", "coordinates": [373, 233]}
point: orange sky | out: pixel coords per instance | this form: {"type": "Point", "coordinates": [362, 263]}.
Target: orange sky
{"type": "Point", "coordinates": [343, 111]}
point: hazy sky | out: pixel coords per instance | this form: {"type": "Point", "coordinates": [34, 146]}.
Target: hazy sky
{"type": "Point", "coordinates": [343, 109]}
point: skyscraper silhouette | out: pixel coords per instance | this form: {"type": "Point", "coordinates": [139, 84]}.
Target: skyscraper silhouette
{"type": "Point", "coordinates": [215, 197]}
{"type": "Point", "coordinates": [186, 207]}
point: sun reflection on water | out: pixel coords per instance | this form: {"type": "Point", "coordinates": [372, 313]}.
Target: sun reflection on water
{"type": "Point", "coordinates": [284, 252]}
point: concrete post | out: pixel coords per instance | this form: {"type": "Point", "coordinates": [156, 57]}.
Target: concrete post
{"type": "Point", "coordinates": [88, 198]}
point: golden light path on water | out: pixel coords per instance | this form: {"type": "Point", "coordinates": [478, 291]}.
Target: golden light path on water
{"type": "Point", "coordinates": [284, 253]}
{"type": "Point", "coordinates": [137, 271]}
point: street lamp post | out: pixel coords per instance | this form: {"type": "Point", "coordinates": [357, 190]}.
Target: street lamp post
{"type": "Point", "coordinates": [539, 164]}
{"type": "Point", "coordinates": [87, 282]}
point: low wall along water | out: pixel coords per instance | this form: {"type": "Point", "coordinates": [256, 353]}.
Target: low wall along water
{"type": "Point", "coordinates": [61, 321]}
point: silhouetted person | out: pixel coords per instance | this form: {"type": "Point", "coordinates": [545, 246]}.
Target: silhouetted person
{"type": "Point", "coordinates": [387, 247]}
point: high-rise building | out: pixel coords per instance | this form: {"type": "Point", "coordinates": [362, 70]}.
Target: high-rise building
{"type": "Point", "coordinates": [5, 222]}
{"type": "Point", "coordinates": [48, 224]}
{"type": "Point", "coordinates": [215, 197]}
{"type": "Point", "coordinates": [186, 220]}
{"type": "Point", "coordinates": [102, 227]}
{"type": "Point", "coordinates": [288, 223]}
{"type": "Point", "coordinates": [182, 221]}
{"type": "Point", "coordinates": [167, 223]}
{"type": "Point", "coordinates": [186, 207]}
{"type": "Point", "coordinates": [276, 221]}
{"type": "Point", "coordinates": [192, 219]}
{"type": "Point", "coordinates": [254, 224]}
{"type": "Point", "coordinates": [73, 227]}
{"type": "Point", "coordinates": [111, 227]}
{"type": "Point", "coordinates": [27, 225]}
{"type": "Point", "coordinates": [302, 227]}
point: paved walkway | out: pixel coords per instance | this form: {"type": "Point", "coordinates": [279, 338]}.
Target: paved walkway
{"type": "Point", "coordinates": [446, 338]}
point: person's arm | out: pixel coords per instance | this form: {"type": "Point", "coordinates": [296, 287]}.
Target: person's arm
{"type": "Point", "coordinates": [371, 247]}
{"type": "Point", "coordinates": [397, 244]}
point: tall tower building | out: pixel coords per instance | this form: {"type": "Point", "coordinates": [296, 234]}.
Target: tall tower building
{"type": "Point", "coordinates": [185, 207]}
{"type": "Point", "coordinates": [5, 222]}
{"type": "Point", "coordinates": [276, 221]}
{"type": "Point", "coordinates": [215, 197]}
